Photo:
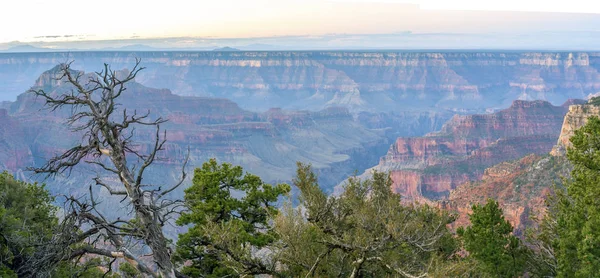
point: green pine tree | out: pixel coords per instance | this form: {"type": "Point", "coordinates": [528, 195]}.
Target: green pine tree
{"type": "Point", "coordinates": [490, 242]}
{"type": "Point", "coordinates": [27, 219]}
{"type": "Point", "coordinates": [577, 244]}
{"type": "Point", "coordinates": [364, 232]}
{"type": "Point", "coordinates": [229, 214]}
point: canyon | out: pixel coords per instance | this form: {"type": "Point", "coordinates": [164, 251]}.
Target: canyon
{"type": "Point", "coordinates": [430, 166]}
{"type": "Point", "coordinates": [372, 81]}
{"type": "Point", "coordinates": [521, 186]}
{"type": "Point", "coordinates": [265, 143]}
{"type": "Point", "coordinates": [448, 116]}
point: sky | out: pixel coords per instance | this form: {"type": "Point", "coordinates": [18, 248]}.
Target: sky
{"type": "Point", "coordinates": [58, 21]}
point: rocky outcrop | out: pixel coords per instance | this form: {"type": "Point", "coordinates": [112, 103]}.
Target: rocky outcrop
{"type": "Point", "coordinates": [15, 155]}
{"type": "Point", "coordinates": [432, 165]}
{"type": "Point", "coordinates": [575, 119]}
{"type": "Point", "coordinates": [519, 186]}
{"type": "Point", "coordinates": [360, 81]}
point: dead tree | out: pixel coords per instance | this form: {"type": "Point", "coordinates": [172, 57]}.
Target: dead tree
{"type": "Point", "coordinates": [107, 143]}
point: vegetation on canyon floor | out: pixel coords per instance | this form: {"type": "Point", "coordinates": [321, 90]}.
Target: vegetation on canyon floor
{"type": "Point", "coordinates": [232, 224]}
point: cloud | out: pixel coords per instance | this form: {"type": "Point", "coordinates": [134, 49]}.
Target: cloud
{"type": "Point", "coordinates": [59, 36]}
{"type": "Point", "coordinates": [551, 40]}
{"type": "Point", "coordinates": [264, 18]}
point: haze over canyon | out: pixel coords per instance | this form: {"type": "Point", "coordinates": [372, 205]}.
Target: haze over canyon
{"type": "Point", "coordinates": [339, 110]}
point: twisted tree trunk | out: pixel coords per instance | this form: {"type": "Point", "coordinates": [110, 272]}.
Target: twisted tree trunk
{"type": "Point", "coordinates": [94, 105]}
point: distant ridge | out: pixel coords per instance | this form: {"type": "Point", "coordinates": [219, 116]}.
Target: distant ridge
{"type": "Point", "coordinates": [27, 48]}
{"type": "Point", "coordinates": [226, 49]}
{"type": "Point", "coordinates": [137, 47]}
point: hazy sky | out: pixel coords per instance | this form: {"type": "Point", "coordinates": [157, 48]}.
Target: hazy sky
{"type": "Point", "coordinates": [58, 20]}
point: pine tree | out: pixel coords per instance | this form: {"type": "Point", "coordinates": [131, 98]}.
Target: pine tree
{"type": "Point", "coordinates": [364, 232]}
{"type": "Point", "coordinates": [27, 220]}
{"type": "Point", "coordinates": [230, 214]}
{"type": "Point", "coordinates": [489, 241]}
{"type": "Point", "coordinates": [577, 244]}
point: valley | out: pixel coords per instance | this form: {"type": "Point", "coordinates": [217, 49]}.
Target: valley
{"type": "Point", "coordinates": [346, 138]}
{"type": "Point", "coordinates": [266, 143]}
{"type": "Point", "coordinates": [340, 111]}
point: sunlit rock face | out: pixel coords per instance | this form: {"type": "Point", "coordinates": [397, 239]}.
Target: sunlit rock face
{"type": "Point", "coordinates": [577, 117]}
{"type": "Point", "coordinates": [360, 81]}
{"type": "Point", "coordinates": [432, 165]}
{"type": "Point", "coordinates": [520, 187]}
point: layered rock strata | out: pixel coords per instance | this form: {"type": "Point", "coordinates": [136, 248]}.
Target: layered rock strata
{"type": "Point", "coordinates": [432, 165]}
{"type": "Point", "coordinates": [360, 81]}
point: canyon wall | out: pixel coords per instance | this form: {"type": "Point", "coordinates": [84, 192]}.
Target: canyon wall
{"type": "Point", "coordinates": [432, 165]}
{"type": "Point", "coordinates": [575, 119]}
{"type": "Point", "coordinates": [522, 186]}
{"type": "Point", "coordinates": [267, 143]}
{"type": "Point", "coordinates": [360, 81]}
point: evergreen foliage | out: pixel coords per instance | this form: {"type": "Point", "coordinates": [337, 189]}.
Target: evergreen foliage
{"type": "Point", "coordinates": [542, 238]}
{"type": "Point", "coordinates": [27, 220]}
{"type": "Point", "coordinates": [594, 101]}
{"type": "Point", "coordinates": [490, 242]}
{"type": "Point", "coordinates": [230, 214]}
{"type": "Point", "coordinates": [364, 232]}
{"type": "Point", "coordinates": [577, 241]}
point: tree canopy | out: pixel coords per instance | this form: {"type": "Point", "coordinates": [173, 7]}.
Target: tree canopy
{"type": "Point", "coordinates": [490, 242]}
{"type": "Point", "coordinates": [27, 221]}
{"type": "Point", "coordinates": [577, 244]}
{"type": "Point", "coordinates": [364, 232]}
{"type": "Point", "coordinates": [230, 213]}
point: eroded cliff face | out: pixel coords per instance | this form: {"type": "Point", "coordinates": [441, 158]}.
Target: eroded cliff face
{"type": "Point", "coordinates": [522, 186]}
{"type": "Point", "coordinates": [359, 81]}
{"type": "Point", "coordinates": [15, 155]}
{"type": "Point", "coordinates": [519, 186]}
{"type": "Point", "coordinates": [265, 143]}
{"type": "Point", "coordinates": [577, 117]}
{"type": "Point", "coordinates": [432, 165]}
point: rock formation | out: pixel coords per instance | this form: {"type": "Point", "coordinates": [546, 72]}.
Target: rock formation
{"type": "Point", "coordinates": [432, 165]}
{"type": "Point", "coordinates": [521, 186]}
{"type": "Point", "coordinates": [575, 118]}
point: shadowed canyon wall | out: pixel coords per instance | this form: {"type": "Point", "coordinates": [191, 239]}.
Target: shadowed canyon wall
{"type": "Point", "coordinates": [265, 143]}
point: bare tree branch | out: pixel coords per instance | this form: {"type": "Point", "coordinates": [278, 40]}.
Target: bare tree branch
{"type": "Point", "coordinates": [181, 180]}
{"type": "Point", "coordinates": [108, 143]}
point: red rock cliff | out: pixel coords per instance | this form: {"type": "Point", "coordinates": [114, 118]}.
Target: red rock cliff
{"type": "Point", "coordinates": [432, 165]}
